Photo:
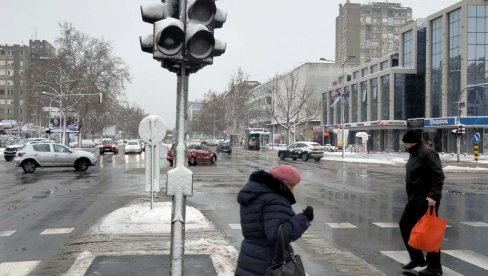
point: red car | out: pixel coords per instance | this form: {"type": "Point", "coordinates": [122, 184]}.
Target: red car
{"type": "Point", "coordinates": [194, 154]}
{"type": "Point", "coordinates": [109, 145]}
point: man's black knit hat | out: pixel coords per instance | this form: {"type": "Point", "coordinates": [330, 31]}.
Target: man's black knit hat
{"type": "Point", "coordinates": [411, 136]}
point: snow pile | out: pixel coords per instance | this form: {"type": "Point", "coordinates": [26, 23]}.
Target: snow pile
{"type": "Point", "coordinates": [140, 219]}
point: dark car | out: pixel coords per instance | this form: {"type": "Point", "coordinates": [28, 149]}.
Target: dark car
{"type": "Point", "coordinates": [302, 150]}
{"type": "Point", "coordinates": [109, 146]}
{"type": "Point", "coordinates": [224, 147]}
{"type": "Point", "coordinates": [10, 151]}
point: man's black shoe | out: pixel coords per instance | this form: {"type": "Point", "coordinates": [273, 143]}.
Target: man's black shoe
{"type": "Point", "coordinates": [412, 265]}
{"type": "Point", "coordinates": [429, 271]}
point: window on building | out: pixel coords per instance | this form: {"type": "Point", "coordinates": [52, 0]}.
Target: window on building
{"type": "Point", "coordinates": [364, 101]}
{"type": "Point", "coordinates": [477, 97]}
{"type": "Point", "coordinates": [355, 75]}
{"type": "Point", "coordinates": [373, 68]}
{"type": "Point", "coordinates": [407, 49]}
{"type": "Point", "coordinates": [364, 72]}
{"type": "Point", "coordinates": [384, 65]}
{"type": "Point", "coordinates": [436, 68]}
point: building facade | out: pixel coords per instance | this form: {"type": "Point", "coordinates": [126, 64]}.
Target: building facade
{"type": "Point", "coordinates": [369, 31]}
{"type": "Point", "coordinates": [441, 77]}
{"type": "Point", "coordinates": [15, 60]}
{"type": "Point", "coordinates": [263, 100]}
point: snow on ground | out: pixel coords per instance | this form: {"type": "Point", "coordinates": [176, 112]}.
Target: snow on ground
{"type": "Point", "coordinates": [138, 218]}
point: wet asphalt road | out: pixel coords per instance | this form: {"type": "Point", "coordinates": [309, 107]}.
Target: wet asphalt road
{"type": "Point", "coordinates": [358, 194]}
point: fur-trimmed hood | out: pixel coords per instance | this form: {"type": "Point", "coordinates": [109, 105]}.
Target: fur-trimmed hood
{"type": "Point", "coordinates": [262, 182]}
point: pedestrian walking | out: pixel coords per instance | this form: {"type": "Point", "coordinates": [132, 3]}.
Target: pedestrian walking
{"type": "Point", "coordinates": [265, 204]}
{"type": "Point", "coordinates": [424, 180]}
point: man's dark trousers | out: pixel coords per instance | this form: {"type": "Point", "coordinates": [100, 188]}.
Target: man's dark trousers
{"type": "Point", "coordinates": [411, 215]}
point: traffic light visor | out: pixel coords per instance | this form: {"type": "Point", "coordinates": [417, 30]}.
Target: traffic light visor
{"type": "Point", "coordinates": [202, 11]}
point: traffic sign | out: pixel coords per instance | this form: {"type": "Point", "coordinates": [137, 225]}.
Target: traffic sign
{"type": "Point", "coordinates": [152, 129]}
{"type": "Point", "coordinates": [476, 138]}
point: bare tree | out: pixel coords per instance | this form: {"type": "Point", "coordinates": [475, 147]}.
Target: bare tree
{"type": "Point", "coordinates": [211, 119]}
{"type": "Point", "coordinates": [292, 104]}
{"type": "Point", "coordinates": [236, 97]}
{"type": "Point", "coordinates": [81, 65]}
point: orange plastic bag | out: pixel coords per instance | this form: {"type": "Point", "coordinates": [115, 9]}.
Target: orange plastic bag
{"type": "Point", "coordinates": [428, 233]}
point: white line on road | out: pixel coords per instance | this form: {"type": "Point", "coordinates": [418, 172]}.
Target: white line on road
{"type": "Point", "coordinates": [469, 257]}
{"type": "Point", "coordinates": [53, 231]}
{"type": "Point", "coordinates": [475, 223]}
{"type": "Point", "coordinates": [403, 258]}
{"type": "Point", "coordinates": [341, 225]}
{"type": "Point", "coordinates": [235, 226]}
{"type": "Point", "coordinates": [6, 233]}
{"type": "Point", "coordinates": [17, 268]}
{"type": "Point", "coordinates": [386, 224]}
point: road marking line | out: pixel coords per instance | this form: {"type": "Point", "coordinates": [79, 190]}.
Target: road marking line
{"type": "Point", "coordinates": [341, 225]}
{"type": "Point", "coordinates": [403, 258]}
{"type": "Point", "coordinates": [386, 224]}
{"type": "Point", "coordinates": [18, 268]}
{"type": "Point", "coordinates": [6, 233]}
{"type": "Point", "coordinates": [53, 231]}
{"type": "Point", "coordinates": [475, 223]}
{"type": "Point", "coordinates": [235, 226]}
{"type": "Point", "coordinates": [469, 257]}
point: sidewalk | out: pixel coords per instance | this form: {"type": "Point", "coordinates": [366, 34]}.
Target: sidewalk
{"type": "Point", "coordinates": [449, 160]}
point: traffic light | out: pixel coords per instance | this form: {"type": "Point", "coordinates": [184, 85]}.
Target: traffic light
{"type": "Point", "coordinates": [203, 17]}
{"type": "Point", "coordinates": [166, 42]}
{"type": "Point", "coordinates": [463, 129]}
{"type": "Point", "coordinates": [183, 36]}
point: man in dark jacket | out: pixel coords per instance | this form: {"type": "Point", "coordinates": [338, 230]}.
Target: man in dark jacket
{"type": "Point", "coordinates": [424, 180]}
{"type": "Point", "coordinates": [265, 204]}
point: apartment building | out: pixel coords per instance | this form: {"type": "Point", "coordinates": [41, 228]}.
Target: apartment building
{"type": "Point", "coordinates": [369, 31]}
{"type": "Point", "coordinates": [15, 60]}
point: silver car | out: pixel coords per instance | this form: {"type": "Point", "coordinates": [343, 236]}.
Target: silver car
{"type": "Point", "coordinates": [51, 154]}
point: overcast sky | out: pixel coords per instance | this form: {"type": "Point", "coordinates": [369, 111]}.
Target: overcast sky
{"type": "Point", "coordinates": [264, 37]}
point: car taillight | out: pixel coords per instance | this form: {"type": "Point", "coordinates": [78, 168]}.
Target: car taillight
{"type": "Point", "coordinates": [20, 153]}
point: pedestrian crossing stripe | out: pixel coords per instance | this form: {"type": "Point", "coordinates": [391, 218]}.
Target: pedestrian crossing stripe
{"type": "Point", "coordinates": [341, 225]}
{"type": "Point", "coordinates": [54, 231]}
{"type": "Point", "coordinates": [469, 257]}
{"type": "Point", "coordinates": [475, 223]}
{"type": "Point", "coordinates": [235, 226]}
{"type": "Point", "coordinates": [386, 224]}
{"type": "Point", "coordinates": [18, 268]}
{"type": "Point", "coordinates": [403, 258]}
{"type": "Point", "coordinates": [6, 233]}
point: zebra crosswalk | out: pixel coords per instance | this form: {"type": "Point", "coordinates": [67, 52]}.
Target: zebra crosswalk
{"type": "Point", "coordinates": [24, 268]}
{"type": "Point", "coordinates": [401, 256]}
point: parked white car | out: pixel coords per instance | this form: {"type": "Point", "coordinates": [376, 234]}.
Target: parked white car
{"type": "Point", "coordinates": [48, 154]}
{"type": "Point", "coordinates": [133, 146]}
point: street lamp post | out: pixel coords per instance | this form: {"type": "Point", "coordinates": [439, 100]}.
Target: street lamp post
{"type": "Point", "coordinates": [344, 78]}
{"type": "Point", "coordinates": [458, 135]}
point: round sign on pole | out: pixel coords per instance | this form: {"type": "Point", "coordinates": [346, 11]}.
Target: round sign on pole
{"type": "Point", "coordinates": [476, 138]}
{"type": "Point", "coordinates": [152, 129]}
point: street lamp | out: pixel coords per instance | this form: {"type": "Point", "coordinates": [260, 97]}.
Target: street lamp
{"type": "Point", "coordinates": [344, 78]}
{"type": "Point", "coordinates": [458, 135]}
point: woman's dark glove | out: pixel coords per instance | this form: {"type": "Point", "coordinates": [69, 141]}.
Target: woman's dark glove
{"type": "Point", "coordinates": [308, 213]}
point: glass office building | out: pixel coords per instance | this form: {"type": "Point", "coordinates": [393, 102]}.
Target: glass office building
{"type": "Point", "coordinates": [440, 79]}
